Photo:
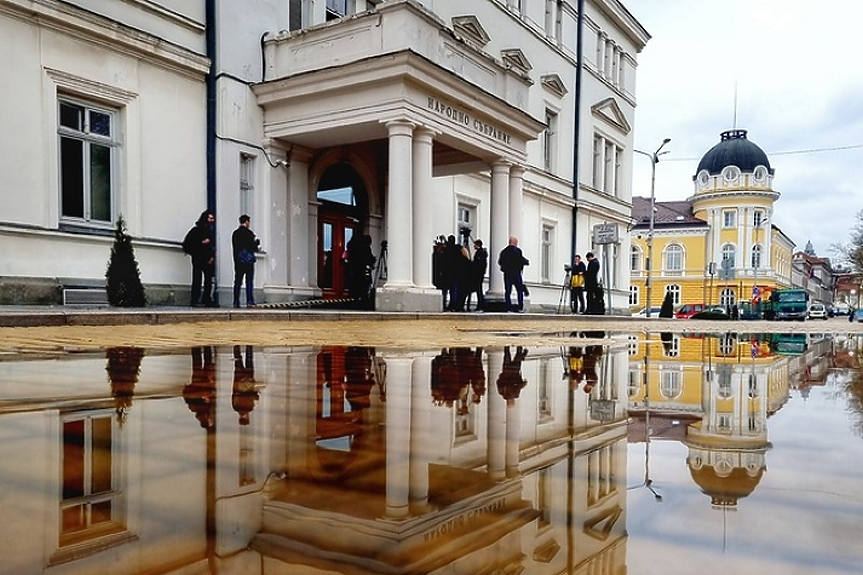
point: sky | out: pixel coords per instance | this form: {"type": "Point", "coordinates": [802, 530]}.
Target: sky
{"type": "Point", "coordinates": [788, 72]}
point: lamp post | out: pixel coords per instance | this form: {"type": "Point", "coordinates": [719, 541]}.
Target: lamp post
{"type": "Point", "coordinates": [654, 159]}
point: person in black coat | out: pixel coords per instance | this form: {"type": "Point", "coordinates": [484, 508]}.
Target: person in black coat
{"type": "Point", "coordinates": [512, 262]}
{"type": "Point", "coordinates": [591, 286]}
{"type": "Point", "coordinates": [478, 267]}
{"type": "Point", "coordinates": [200, 244]}
{"type": "Point", "coordinates": [244, 244]}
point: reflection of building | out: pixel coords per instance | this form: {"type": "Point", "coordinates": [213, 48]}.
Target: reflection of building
{"type": "Point", "coordinates": [724, 388]}
{"type": "Point", "coordinates": [401, 119]}
{"type": "Point", "coordinates": [719, 244]}
{"type": "Point", "coordinates": [326, 472]}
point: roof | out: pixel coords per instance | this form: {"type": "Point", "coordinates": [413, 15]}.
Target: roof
{"type": "Point", "coordinates": [733, 149]}
{"type": "Point", "coordinates": [667, 214]}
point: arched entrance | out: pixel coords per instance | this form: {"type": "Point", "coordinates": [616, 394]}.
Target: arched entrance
{"type": "Point", "coordinates": [343, 209]}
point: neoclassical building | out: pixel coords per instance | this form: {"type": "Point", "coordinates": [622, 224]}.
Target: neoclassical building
{"type": "Point", "coordinates": [720, 245]}
{"type": "Point", "coordinates": [402, 120]}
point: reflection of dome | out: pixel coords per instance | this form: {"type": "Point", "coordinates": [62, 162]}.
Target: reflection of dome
{"type": "Point", "coordinates": [734, 149]}
{"type": "Point", "coordinates": [725, 487]}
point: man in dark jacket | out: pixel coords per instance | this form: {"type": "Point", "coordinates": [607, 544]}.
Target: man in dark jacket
{"type": "Point", "coordinates": [200, 244]}
{"type": "Point", "coordinates": [595, 304]}
{"type": "Point", "coordinates": [478, 267]}
{"type": "Point", "coordinates": [512, 262]}
{"type": "Point", "coordinates": [244, 244]}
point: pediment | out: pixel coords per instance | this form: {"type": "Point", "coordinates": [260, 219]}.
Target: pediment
{"type": "Point", "coordinates": [554, 84]}
{"type": "Point", "coordinates": [610, 111]}
{"type": "Point", "coordinates": [515, 58]}
{"type": "Point", "coordinates": [469, 28]}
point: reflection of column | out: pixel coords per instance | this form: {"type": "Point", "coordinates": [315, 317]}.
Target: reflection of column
{"type": "Point", "coordinates": [419, 432]}
{"type": "Point", "coordinates": [496, 420]}
{"type": "Point", "coordinates": [499, 223]}
{"type": "Point", "coordinates": [398, 438]}
{"type": "Point", "coordinates": [399, 203]}
{"type": "Point", "coordinates": [516, 181]}
{"type": "Point", "coordinates": [423, 228]}
{"type": "Point", "coordinates": [513, 429]}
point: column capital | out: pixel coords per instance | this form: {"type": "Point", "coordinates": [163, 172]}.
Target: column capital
{"type": "Point", "coordinates": [399, 126]}
{"type": "Point", "coordinates": [424, 134]}
{"type": "Point", "coordinates": [501, 166]}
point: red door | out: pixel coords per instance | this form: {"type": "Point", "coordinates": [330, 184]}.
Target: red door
{"type": "Point", "coordinates": [334, 233]}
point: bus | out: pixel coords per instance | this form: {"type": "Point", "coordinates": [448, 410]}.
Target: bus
{"type": "Point", "coordinates": [787, 304]}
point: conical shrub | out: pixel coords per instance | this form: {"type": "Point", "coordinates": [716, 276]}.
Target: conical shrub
{"type": "Point", "coordinates": [124, 285]}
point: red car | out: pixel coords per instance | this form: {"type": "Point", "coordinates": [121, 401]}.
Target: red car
{"type": "Point", "coordinates": [688, 310]}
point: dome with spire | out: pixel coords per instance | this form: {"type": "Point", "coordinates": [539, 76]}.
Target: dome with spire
{"type": "Point", "coordinates": [734, 149]}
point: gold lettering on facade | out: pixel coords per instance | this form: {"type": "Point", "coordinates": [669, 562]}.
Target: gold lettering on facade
{"type": "Point", "coordinates": [463, 118]}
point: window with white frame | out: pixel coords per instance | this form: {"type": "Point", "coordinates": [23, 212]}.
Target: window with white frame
{"type": "Point", "coordinates": [727, 297]}
{"type": "Point", "coordinates": [88, 145]}
{"type": "Point", "coordinates": [729, 256]}
{"type": "Point", "coordinates": [674, 290]}
{"type": "Point", "coordinates": [634, 295]}
{"type": "Point", "coordinates": [727, 345]}
{"type": "Point", "coordinates": [547, 251]}
{"type": "Point", "coordinates": [635, 261]}
{"type": "Point", "coordinates": [596, 176]}
{"type": "Point", "coordinates": [336, 9]}
{"type": "Point", "coordinates": [465, 220]}
{"type": "Point", "coordinates": [758, 218]}
{"type": "Point", "coordinates": [296, 11]}
{"type": "Point", "coordinates": [247, 184]}
{"type": "Point", "coordinates": [671, 347]}
{"type": "Point", "coordinates": [672, 260]}
{"type": "Point", "coordinates": [670, 383]}
{"type": "Point", "coordinates": [549, 141]}
{"type": "Point", "coordinates": [756, 256]}
{"type": "Point", "coordinates": [729, 218]}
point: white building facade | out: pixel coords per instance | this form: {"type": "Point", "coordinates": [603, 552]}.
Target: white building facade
{"type": "Point", "coordinates": [402, 120]}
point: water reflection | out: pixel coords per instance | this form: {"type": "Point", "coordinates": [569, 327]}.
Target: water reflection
{"type": "Point", "coordinates": [353, 459]}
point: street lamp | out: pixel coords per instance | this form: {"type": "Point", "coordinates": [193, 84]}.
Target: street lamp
{"type": "Point", "coordinates": [654, 159]}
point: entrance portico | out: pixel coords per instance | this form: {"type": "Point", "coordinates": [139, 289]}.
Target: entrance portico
{"type": "Point", "coordinates": [409, 112]}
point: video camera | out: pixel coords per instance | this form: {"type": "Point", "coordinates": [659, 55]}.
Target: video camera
{"type": "Point", "coordinates": [567, 268]}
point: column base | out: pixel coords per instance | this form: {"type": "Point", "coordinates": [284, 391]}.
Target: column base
{"type": "Point", "coordinates": [408, 299]}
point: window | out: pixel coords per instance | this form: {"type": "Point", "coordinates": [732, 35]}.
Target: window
{"type": "Point", "coordinates": [635, 257]}
{"type": "Point", "coordinates": [671, 347]}
{"type": "Point", "coordinates": [756, 256]}
{"type": "Point", "coordinates": [596, 177]}
{"type": "Point", "coordinates": [336, 9]}
{"type": "Point", "coordinates": [606, 165]}
{"type": "Point", "coordinates": [674, 290]}
{"type": "Point", "coordinates": [544, 392]}
{"type": "Point", "coordinates": [727, 345]}
{"type": "Point", "coordinates": [247, 185]}
{"type": "Point", "coordinates": [758, 218]}
{"type": "Point", "coordinates": [729, 256]}
{"type": "Point", "coordinates": [729, 218]}
{"type": "Point", "coordinates": [547, 251]}
{"type": "Point", "coordinates": [465, 221]}
{"type": "Point", "coordinates": [727, 297]}
{"type": "Point", "coordinates": [549, 141]}
{"type": "Point", "coordinates": [634, 295]}
{"type": "Point", "coordinates": [670, 384]}
{"type": "Point", "coordinates": [673, 260]}
{"type": "Point", "coordinates": [295, 15]}
{"type": "Point", "coordinates": [88, 147]}
{"type": "Point", "coordinates": [90, 506]}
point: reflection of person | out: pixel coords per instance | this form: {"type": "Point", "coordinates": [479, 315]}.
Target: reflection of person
{"type": "Point", "coordinates": [576, 292]}
{"type": "Point", "coordinates": [591, 285]}
{"type": "Point", "coordinates": [592, 354]}
{"type": "Point", "coordinates": [244, 394]}
{"type": "Point", "coordinates": [244, 244]}
{"type": "Point", "coordinates": [512, 262]}
{"type": "Point", "coordinates": [200, 392]}
{"type": "Point", "coordinates": [200, 244]}
{"type": "Point", "coordinates": [510, 382]}
{"type": "Point", "coordinates": [575, 367]}
{"type": "Point", "coordinates": [478, 267]}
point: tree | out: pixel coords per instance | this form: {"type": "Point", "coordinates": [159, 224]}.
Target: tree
{"type": "Point", "coordinates": [123, 277]}
{"type": "Point", "coordinates": [851, 254]}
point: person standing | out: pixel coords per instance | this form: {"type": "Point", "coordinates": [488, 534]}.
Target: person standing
{"type": "Point", "coordinates": [479, 265]}
{"type": "Point", "coordinates": [440, 276]}
{"type": "Point", "coordinates": [591, 284]}
{"type": "Point", "coordinates": [454, 264]}
{"type": "Point", "coordinates": [358, 271]}
{"type": "Point", "coordinates": [245, 245]}
{"type": "Point", "coordinates": [576, 290]}
{"type": "Point", "coordinates": [512, 262]}
{"type": "Point", "coordinates": [200, 244]}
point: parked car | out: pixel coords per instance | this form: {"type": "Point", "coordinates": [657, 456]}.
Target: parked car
{"type": "Point", "coordinates": [713, 312]}
{"type": "Point", "coordinates": [817, 311]}
{"type": "Point", "coordinates": [841, 309]}
{"type": "Point", "coordinates": [688, 310]}
{"type": "Point", "coordinates": [654, 312]}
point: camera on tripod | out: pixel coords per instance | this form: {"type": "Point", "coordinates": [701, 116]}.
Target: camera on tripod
{"type": "Point", "coordinates": [465, 235]}
{"type": "Point", "coordinates": [567, 268]}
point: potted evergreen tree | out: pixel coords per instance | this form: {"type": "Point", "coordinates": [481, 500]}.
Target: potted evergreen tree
{"type": "Point", "coordinates": [124, 285]}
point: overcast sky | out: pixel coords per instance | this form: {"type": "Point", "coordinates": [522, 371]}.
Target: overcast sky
{"type": "Point", "coordinates": [793, 69]}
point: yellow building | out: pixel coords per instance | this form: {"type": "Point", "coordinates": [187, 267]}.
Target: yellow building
{"type": "Point", "coordinates": [719, 244]}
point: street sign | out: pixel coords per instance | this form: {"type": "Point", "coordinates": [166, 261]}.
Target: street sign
{"type": "Point", "coordinates": [605, 234]}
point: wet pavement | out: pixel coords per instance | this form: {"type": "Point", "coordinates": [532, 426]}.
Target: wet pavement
{"type": "Point", "coordinates": [543, 450]}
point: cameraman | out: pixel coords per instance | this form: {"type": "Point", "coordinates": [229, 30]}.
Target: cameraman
{"type": "Point", "coordinates": [576, 285]}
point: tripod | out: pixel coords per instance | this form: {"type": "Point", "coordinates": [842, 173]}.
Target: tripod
{"type": "Point", "coordinates": [381, 271]}
{"type": "Point", "coordinates": [564, 289]}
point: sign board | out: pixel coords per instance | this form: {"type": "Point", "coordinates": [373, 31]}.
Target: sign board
{"type": "Point", "coordinates": [726, 271]}
{"type": "Point", "coordinates": [605, 234]}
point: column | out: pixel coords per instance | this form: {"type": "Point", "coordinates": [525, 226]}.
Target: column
{"type": "Point", "coordinates": [275, 223]}
{"type": "Point", "coordinates": [420, 436]}
{"type": "Point", "coordinates": [399, 206]}
{"type": "Point", "coordinates": [301, 233]}
{"type": "Point", "coordinates": [398, 414]}
{"type": "Point", "coordinates": [423, 230]}
{"type": "Point", "coordinates": [516, 215]}
{"type": "Point", "coordinates": [499, 224]}
{"type": "Point", "coordinates": [496, 432]}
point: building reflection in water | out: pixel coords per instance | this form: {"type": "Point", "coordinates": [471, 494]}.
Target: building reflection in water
{"type": "Point", "coordinates": [361, 460]}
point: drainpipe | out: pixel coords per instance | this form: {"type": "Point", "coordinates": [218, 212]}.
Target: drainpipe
{"type": "Point", "coordinates": [210, 38]}
{"type": "Point", "coordinates": [579, 63]}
